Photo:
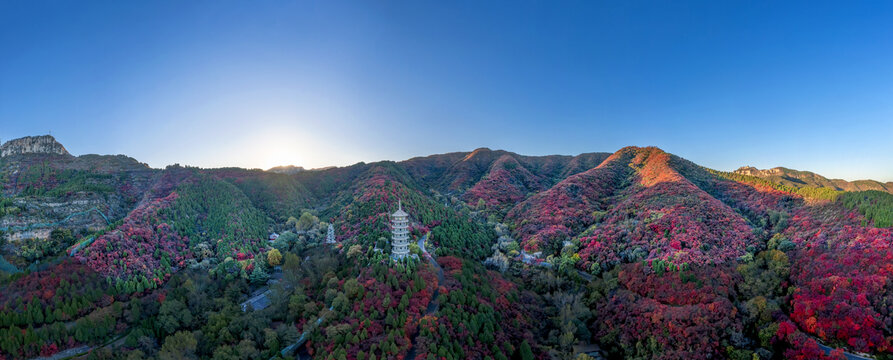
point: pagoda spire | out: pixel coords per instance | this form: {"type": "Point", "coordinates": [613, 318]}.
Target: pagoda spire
{"type": "Point", "coordinates": [399, 232]}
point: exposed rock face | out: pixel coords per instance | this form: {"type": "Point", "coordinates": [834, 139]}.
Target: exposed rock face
{"type": "Point", "coordinates": [44, 144]}
{"type": "Point", "coordinates": [68, 192]}
{"type": "Point", "coordinates": [752, 171]}
{"type": "Point", "coordinates": [40, 215]}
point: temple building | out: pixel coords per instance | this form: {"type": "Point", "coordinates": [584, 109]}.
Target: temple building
{"type": "Point", "coordinates": [399, 233]}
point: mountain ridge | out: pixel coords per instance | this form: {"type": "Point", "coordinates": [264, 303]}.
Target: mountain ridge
{"type": "Point", "coordinates": [728, 258]}
{"type": "Point", "coordinates": [47, 144]}
{"type": "Point", "coordinates": [802, 178]}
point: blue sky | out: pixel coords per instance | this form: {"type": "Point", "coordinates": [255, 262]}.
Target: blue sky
{"type": "Point", "coordinates": [806, 85]}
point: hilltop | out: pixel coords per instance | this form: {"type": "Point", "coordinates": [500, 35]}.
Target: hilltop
{"type": "Point", "coordinates": [287, 169]}
{"type": "Point", "coordinates": [44, 144]}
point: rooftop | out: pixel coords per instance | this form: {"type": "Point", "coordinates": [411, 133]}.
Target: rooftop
{"type": "Point", "coordinates": [399, 211]}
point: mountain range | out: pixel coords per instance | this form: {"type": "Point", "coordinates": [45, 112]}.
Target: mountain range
{"type": "Point", "coordinates": [797, 178]}
{"type": "Point", "coordinates": [684, 261]}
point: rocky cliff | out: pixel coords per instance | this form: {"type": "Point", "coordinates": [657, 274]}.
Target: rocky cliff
{"type": "Point", "coordinates": [43, 187]}
{"type": "Point", "coordinates": [44, 144]}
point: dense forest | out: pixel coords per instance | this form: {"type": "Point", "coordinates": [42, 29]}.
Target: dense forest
{"type": "Point", "coordinates": [876, 206]}
{"type": "Point", "coordinates": [638, 254]}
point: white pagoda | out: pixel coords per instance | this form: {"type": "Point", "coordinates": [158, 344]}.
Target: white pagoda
{"type": "Point", "coordinates": [330, 235]}
{"type": "Point", "coordinates": [399, 233]}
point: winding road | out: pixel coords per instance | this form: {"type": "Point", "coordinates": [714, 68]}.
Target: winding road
{"type": "Point", "coordinates": [64, 354]}
{"type": "Point", "coordinates": [849, 356]}
{"type": "Point", "coordinates": [303, 338]}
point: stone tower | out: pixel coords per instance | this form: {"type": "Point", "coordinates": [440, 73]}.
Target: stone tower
{"type": "Point", "coordinates": [330, 235]}
{"type": "Point", "coordinates": [399, 233]}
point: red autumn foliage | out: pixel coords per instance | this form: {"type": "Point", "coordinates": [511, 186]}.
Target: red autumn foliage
{"type": "Point", "coordinates": [506, 183]}
{"type": "Point", "coordinates": [450, 263]}
{"type": "Point", "coordinates": [678, 287]}
{"type": "Point", "coordinates": [474, 310]}
{"type": "Point", "coordinates": [568, 207]}
{"type": "Point", "coordinates": [843, 274]}
{"type": "Point", "coordinates": [137, 247]}
{"type": "Point", "coordinates": [673, 221]}
{"type": "Point", "coordinates": [644, 208]}
{"type": "Point", "coordinates": [803, 347]}
{"type": "Point", "coordinates": [372, 301]}
{"type": "Point", "coordinates": [54, 288]}
{"type": "Point", "coordinates": [686, 314]}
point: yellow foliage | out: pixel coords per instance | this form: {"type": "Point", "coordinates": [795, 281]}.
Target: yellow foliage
{"type": "Point", "coordinates": [274, 257]}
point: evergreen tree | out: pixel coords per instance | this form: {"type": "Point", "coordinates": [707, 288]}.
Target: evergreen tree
{"type": "Point", "coordinates": [525, 351]}
{"type": "Point", "coordinates": [259, 276]}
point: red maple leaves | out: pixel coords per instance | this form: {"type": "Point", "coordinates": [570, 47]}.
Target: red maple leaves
{"type": "Point", "coordinates": [138, 246]}
{"type": "Point", "coordinates": [843, 276]}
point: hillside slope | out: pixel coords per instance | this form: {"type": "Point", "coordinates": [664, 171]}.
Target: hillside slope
{"type": "Point", "coordinates": [184, 209]}
{"type": "Point", "coordinates": [498, 178]}
{"type": "Point", "coordinates": [635, 206]}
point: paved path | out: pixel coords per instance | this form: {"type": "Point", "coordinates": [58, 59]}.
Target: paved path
{"type": "Point", "coordinates": [301, 340]}
{"type": "Point", "coordinates": [83, 349]}
{"type": "Point", "coordinates": [57, 223]}
{"type": "Point", "coordinates": [849, 356]}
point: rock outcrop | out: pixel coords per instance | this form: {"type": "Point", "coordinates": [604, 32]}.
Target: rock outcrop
{"type": "Point", "coordinates": [44, 144]}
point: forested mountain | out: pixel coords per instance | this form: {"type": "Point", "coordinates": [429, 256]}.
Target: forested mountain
{"type": "Point", "coordinates": [459, 172]}
{"type": "Point", "coordinates": [798, 178]}
{"type": "Point", "coordinates": [632, 254]}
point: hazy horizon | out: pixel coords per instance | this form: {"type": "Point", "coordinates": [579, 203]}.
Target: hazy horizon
{"type": "Point", "coordinates": [222, 165]}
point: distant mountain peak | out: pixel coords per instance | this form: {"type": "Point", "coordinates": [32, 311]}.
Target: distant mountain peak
{"type": "Point", "coordinates": [800, 178]}
{"type": "Point", "coordinates": [477, 153]}
{"type": "Point", "coordinates": [43, 144]}
{"type": "Point", "coordinates": [286, 169]}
